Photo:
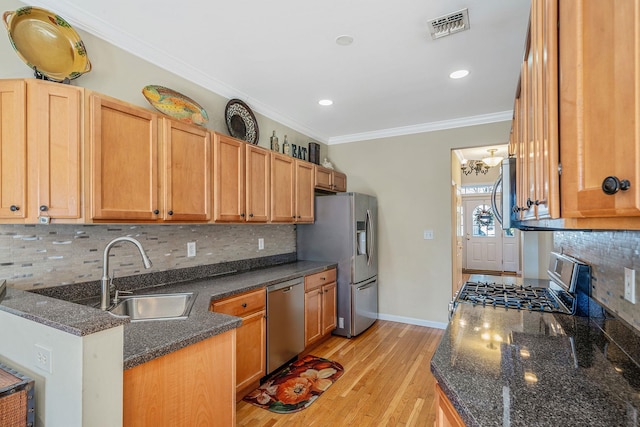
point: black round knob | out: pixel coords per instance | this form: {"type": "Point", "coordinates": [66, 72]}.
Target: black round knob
{"type": "Point", "coordinates": [299, 216]}
{"type": "Point", "coordinates": [250, 215]}
{"type": "Point", "coordinates": [170, 212]}
{"type": "Point", "coordinates": [611, 185]}
{"type": "Point", "coordinates": [14, 208]}
{"type": "Point", "coordinates": [156, 212]}
{"type": "Point", "coordinates": [44, 208]}
{"type": "Point", "coordinates": [242, 215]}
{"type": "Point", "coordinates": [244, 305]}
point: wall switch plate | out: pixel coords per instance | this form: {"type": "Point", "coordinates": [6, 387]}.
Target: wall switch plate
{"type": "Point", "coordinates": [630, 285]}
{"type": "Point", "coordinates": [44, 220]}
{"type": "Point", "coordinates": [191, 249]}
{"type": "Point", "coordinates": [43, 358]}
{"type": "Point", "coordinates": [260, 244]}
{"type": "Point", "coordinates": [428, 235]}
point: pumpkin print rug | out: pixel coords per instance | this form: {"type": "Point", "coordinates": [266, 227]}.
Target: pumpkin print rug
{"type": "Point", "coordinates": [296, 386]}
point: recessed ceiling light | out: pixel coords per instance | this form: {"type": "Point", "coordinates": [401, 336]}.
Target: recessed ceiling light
{"type": "Point", "coordinates": [344, 40]}
{"type": "Point", "coordinates": [325, 102]}
{"type": "Point", "coordinates": [459, 74]}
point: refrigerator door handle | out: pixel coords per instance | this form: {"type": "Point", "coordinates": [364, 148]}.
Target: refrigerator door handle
{"type": "Point", "coordinates": [369, 237]}
{"type": "Point", "coordinates": [367, 286]}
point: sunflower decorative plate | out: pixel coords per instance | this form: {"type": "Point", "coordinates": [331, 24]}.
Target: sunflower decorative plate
{"type": "Point", "coordinates": [241, 122]}
{"type": "Point", "coordinates": [175, 104]}
{"type": "Point", "coordinates": [46, 43]}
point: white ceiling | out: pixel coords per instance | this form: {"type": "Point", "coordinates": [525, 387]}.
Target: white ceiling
{"type": "Point", "coordinates": [280, 57]}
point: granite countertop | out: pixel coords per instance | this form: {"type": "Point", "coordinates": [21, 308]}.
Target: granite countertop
{"type": "Point", "coordinates": [144, 341]}
{"type": "Point", "coordinates": [504, 367]}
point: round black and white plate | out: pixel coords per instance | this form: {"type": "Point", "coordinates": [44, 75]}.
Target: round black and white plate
{"type": "Point", "coordinates": [241, 122]}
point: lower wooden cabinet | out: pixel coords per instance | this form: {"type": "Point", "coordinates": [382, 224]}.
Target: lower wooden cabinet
{"type": "Point", "coordinates": [250, 337]}
{"type": "Point", "coordinates": [446, 415]}
{"type": "Point", "coordinates": [193, 386]}
{"type": "Point", "coordinates": [319, 305]}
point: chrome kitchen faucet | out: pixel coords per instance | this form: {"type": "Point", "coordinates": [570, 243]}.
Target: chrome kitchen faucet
{"type": "Point", "coordinates": [105, 282]}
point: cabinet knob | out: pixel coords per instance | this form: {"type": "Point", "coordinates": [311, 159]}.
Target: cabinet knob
{"type": "Point", "coordinates": [244, 305]}
{"type": "Point", "coordinates": [156, 212]}
{"type": "Point", "coordinates": [14, 208]}
{"type": "Point", "coordinates": [242, 215]}
{"type": "Point", "coordinates": [323, 278]}
{"type": "Point", "coordinates": [299, 216]}
{"type": "Point", "coordinates": [44, 208]}
{"type": "Point", "coordinates": [250, 215]}
{"type": "Point", "coordinates": [170, 212]}
{"type": "Point", "coordinates": [611, 185]}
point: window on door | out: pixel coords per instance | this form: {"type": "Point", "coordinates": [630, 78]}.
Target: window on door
{"type": "Point", "coordinates": [483, 221]}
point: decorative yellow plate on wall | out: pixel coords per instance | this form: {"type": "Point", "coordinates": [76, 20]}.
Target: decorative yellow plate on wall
{"type": "Point", "coordinates": [46, 43]}
{"type": "Point", "coordinates": [175, 104]}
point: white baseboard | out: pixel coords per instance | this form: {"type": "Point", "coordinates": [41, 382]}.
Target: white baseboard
{"type": "Point", "coordinates": [412, 321]}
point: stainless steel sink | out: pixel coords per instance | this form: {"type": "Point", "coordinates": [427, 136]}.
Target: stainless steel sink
{"type": "Point", "coordinates": [155, 307]}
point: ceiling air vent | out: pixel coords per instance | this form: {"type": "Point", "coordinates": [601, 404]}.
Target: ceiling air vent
{"type": "Point", "coordinates": [449, 24]}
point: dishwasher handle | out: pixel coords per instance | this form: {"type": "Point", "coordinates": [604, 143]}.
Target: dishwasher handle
{"type": "Point", "coordinates": [285, 286]}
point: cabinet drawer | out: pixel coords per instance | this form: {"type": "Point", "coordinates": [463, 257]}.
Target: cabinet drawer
{"type": "Point", "coordinates": [241, 305]}
{"type": "Point", "coordinates": [313, 281]}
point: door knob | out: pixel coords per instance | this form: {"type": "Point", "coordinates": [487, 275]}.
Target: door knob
{"type": "Point", "coordinates": [44, 208]}
{"type": "Point", "coordinates": [611, 185]}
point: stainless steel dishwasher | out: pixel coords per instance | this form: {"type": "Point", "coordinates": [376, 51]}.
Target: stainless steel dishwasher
{"type": "Point", "coordinates": [285, 322]}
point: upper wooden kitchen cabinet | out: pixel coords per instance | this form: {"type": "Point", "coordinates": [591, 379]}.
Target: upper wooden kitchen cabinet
{"type": "Point", "coordinates": [600, 110]}
{"type": "Point", "coordinates": [258, 184]}
{"type": "Point", "coordinates": [304, 195]}
{"type": "Point", "coordinates": [124, 146]}
{"type": "Point", "coordinates": [282, 188]}
{"type": "Point", "coordinates": [228, 181]}
{"type": "Point", "coordinates": [13, 150]}
{"type": "Point", "coordinates": [187, 169]}
{"type": "Point", "coordinates": [535, 128]}
{"type": "Point", "coordinates": [329, 180]}
{"type": "Point", "coordinates": [40, 143]}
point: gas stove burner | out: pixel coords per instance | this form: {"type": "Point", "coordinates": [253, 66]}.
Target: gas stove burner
{"type": "Point", "coordinates": [520, 297]}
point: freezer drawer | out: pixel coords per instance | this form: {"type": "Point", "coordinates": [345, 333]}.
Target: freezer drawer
{"type": "Point", "coordinates": [364, 299]}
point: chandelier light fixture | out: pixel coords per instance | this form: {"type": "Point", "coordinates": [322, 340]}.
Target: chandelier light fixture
{"type": "Point", "coordinates": [492, 160]}
{"type": "Point", "coordinates": [476, 166]}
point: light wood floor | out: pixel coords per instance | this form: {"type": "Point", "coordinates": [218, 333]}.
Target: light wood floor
{"type": "Point", "coordinates": [387, 382]}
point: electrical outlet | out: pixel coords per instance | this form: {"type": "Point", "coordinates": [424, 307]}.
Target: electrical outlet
{"type": "Point", "coordinates": [428, 234]}
{"type": "Point", "coordinates": [191, 249]}
{"type": "Point", "coordinates": [260, 244]}
{"type": "Point", "coordinates": [43, 358]}
{"type": "Point", "coordinates": [630, 285]}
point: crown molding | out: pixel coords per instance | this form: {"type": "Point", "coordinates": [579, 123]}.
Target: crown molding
{"type": "Point", "coordinates": [424, 127]}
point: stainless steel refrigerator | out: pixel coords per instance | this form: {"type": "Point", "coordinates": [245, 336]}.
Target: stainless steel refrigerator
{"type": "Point", "coordinates": [345, 232]}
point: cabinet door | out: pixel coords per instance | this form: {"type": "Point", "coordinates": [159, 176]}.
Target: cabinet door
{"type": "Point", "coordinates": [312, 315]}
{"type": "Point", "coordinates": [258, 184]}
{"type": "Point", "coordinates": [328, 308]}
{"type": "Point", "coordinates": [323, 178]}
{"type": "Point", "coordinates": [187, 168]}
{"type": "Point", "coordinates": [304, 191]}
{"type": "Point", "coordinates": [282, 188]}
{"type": "Point", "coordinates": [339, 181]}
{"type": "Point", "coordinates": [228, 181]}
{"type": "Point", "coordinates": [124, 161]}
{"type": "Point", "coordinates": [54, 124]}
{"type": "Point", "coordinates": [600, 107]}
{"type": "Point", "coordinates": [13, 149]}
{"type": "Point", "coordinates": [446, 415]}
{"type": "Point", "coordinates": [251, 350]}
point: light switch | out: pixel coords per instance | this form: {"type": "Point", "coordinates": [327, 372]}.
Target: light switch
{"type": "Point", "coordinates": [428, 234]}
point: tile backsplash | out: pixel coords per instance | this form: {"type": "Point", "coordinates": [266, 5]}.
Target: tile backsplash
{"type": "Point", "coordinates": [608, 253]}
{"type": "Point", "coordinates": [39, 256]}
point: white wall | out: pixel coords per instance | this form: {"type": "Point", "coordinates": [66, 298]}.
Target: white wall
{"type": "Point", "coordinates": [85, 385]}
{"type": "Point", "coordinates": [411, 176]}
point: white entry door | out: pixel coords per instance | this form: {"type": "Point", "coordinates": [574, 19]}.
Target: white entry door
{"type": "Point", "coordinates": [483, 236]}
